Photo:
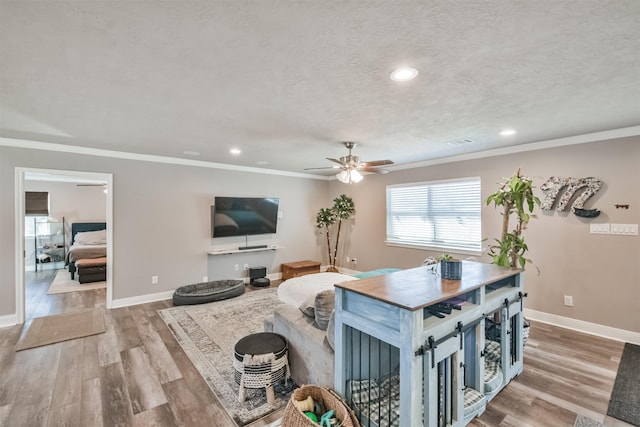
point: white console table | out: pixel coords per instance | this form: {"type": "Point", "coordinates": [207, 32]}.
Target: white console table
{"type": "Point", "coordinates": [385, 328]}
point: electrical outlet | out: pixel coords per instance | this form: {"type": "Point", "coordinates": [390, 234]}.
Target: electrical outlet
{"type": "Point", "coordinates": [154, 280]}
{"type": "Point", "coordinates": [354, 261]}
{"type": "Point", "coordinates": [568, 300]}
{"type": "Point", "coordinates": [205, 279]}
{"type": "Point", "coordinates": [246, 267]}
{"type": "Point", "coordinates": [237, 267]}
{"type": "Point", "coordinates": [348, 259]}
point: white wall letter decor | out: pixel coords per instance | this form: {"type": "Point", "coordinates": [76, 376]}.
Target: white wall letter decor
{"type": "Point", "coordinates": [555, 184]}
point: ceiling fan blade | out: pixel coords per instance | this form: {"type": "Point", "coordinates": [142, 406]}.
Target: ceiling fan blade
{"type": "Point", "coordinates": [340, 162]}
{"type": "Point", "coordinates": [376, 163]}
{"type": "Point", "coordinates": [326, 168]}
{"type": "Point", "coordinates": [372, 170]}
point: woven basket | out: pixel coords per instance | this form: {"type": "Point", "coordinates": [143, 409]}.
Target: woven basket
{"type": "Point", "coordinates": [293, 417]}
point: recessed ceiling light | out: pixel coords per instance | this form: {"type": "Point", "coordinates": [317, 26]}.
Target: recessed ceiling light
{"type": "Point", "coordinates": [191, 153]}
{"type": "Point", "coordinates": [508, 132]}
{"type": "Point", "coordinates": [403, 74]}
{"type": "Point", "coordinates": [235, 151]}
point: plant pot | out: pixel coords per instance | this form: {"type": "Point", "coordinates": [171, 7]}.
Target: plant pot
{"type": "Point", "coordinates": [451, 269]}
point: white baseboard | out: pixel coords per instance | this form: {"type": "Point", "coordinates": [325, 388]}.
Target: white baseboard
{"type": "Point", "coordinates": [8, 320]}
{"type": "Point", "coordinates": [141, 299]}
{"type": "Point", "coordinates": [582, 326]}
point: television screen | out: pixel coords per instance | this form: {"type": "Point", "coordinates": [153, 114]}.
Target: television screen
{"type": "Point", "coordinates": [244, 216]}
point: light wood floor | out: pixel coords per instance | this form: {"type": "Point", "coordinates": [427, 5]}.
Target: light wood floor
{"type": "Point", "coordinates": [136, 374]}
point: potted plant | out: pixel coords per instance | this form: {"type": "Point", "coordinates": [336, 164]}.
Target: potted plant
{"type": "Point", "coordinates": [342, 209]}
{"type": "Point", "coordinates": [515, 196]}
{"type": "Point", "coordinates": [450, 267]}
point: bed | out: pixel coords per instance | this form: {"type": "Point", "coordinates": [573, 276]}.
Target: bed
{"type": "Point", "coordinates": [87, 245]}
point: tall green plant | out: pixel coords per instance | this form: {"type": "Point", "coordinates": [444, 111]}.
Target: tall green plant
{"type": "Point", "coordinates": [325, 218]}
{"type": "Point", "coordinates": [342, 209]}
{"type": "Point", "coordinates": [515, 196]}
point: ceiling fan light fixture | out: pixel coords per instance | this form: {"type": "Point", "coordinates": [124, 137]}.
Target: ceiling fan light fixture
{"type": "Point", "coordinates": [403, 74]}
{"type": "Point", "coordinates": [349, 176]}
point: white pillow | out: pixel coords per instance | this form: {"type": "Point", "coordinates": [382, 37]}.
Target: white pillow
{"type": "Point", "coordinates": [91, 238]}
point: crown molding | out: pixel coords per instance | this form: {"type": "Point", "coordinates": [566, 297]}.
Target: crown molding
{"type": "Point", "coordinates": [64, 148]}
{"type": "Point", "coordinates": [533, 146]}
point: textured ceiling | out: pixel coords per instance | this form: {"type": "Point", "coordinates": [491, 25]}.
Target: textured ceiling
{"type": "Point", "coordinates": [286, 81]}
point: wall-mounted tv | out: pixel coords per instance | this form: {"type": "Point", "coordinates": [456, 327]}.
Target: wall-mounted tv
{"type": "Point", "coordinates": [244, 216]}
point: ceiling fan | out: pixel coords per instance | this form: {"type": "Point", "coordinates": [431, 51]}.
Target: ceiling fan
{"type": "Point", "coordinates": [350, 166]}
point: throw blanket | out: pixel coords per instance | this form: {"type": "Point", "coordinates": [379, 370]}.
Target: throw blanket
{"type": "Point", "coordinates": [77, 252]}
{"type": "Point", "coordinates": [300, 291]}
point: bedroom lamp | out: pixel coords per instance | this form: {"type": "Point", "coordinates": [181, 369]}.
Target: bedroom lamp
{"type": "Point", "coordinates": [349, 176]}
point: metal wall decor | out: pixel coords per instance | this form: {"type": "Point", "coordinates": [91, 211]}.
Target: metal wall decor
{"type": "Point", "coordinates": [555, 184]}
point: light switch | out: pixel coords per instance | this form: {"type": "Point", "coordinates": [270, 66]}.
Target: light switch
{"type": "Point", "coordinates": [624, 229]}
{"type": "Point", "coordinates": [599, 228]}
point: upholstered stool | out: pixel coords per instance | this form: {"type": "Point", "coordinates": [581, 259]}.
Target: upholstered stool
{"type": "Point", "coordinates": [91, 269]}
{"type": "Point", "coordinates": [260, 361]}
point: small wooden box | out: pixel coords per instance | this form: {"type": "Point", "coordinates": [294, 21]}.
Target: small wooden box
{"type": "Point", "coordinates": [300, 268]}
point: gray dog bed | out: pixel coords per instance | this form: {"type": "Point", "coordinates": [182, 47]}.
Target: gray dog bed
{"type": "Point", "coordinates": [201, 293]}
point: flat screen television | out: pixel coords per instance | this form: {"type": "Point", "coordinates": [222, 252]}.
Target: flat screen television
{"type": "Point", "coordinates": [244, 216]}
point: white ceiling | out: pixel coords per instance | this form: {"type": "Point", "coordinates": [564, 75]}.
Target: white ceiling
{"type": "Point", "coordinates": [286, 81]}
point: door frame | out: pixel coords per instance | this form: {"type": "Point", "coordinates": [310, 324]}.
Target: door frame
{"type": "Point", "coordinates": [20, 174]}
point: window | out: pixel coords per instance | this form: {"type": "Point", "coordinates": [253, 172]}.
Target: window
{"type": "Point", "coordinates": [439, 214]}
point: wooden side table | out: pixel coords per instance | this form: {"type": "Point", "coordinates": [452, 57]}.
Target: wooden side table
{"type": "Point", "coordinates": [300, 268]}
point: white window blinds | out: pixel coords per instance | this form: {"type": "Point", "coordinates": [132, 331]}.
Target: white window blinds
{"type": "Point", "coordinates": [442, 214]}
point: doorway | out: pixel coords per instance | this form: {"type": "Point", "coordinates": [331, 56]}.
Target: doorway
{"type": "Point", "coordinates": [38, 251]}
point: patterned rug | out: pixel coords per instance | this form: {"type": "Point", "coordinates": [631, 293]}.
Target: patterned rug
{"type": "Point", "coordinates": [208, 332]}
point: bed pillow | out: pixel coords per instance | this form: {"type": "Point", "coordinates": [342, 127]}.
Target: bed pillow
{"type": "Point", "coordinates": [91, 238]}
{"type": "Point", "coordinates": [324, 303]}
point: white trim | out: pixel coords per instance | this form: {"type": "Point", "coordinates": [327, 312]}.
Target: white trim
{"type": "Point", "coordinates": [142, 299]}
{"type": "Point", "coordinates": [541, 145]}
{"type": "Point", "coordinates": [20, 174]}
{"type": "Point", "coordinates": [8, 320]}
{"type": "Point", "coordinates": [582, 326]}
{"type": "Point", "coordinates": [19, 244]}
{"type": "Point", "coordinates": [37, 145]}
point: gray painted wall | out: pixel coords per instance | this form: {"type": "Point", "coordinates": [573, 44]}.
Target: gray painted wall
{"type": "Point", "coordinates": [161, 219]}
{"type": "Point", "coordinates": [601, 272]}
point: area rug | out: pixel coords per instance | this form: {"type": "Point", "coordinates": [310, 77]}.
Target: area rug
{"type": "Point", "coordinates": [62, 327]}
{"type": "Point", "coordinates": [625, 397]}
{"type": "Point", "coordinates": [208, 333]}
{"type": "Point", "coordinates": [62, 283]}
{"type": "Point", "coordinates": [582, 421]}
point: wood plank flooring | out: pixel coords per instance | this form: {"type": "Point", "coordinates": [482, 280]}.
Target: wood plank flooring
{"type": "Point", "coordinates": [136, 374]}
